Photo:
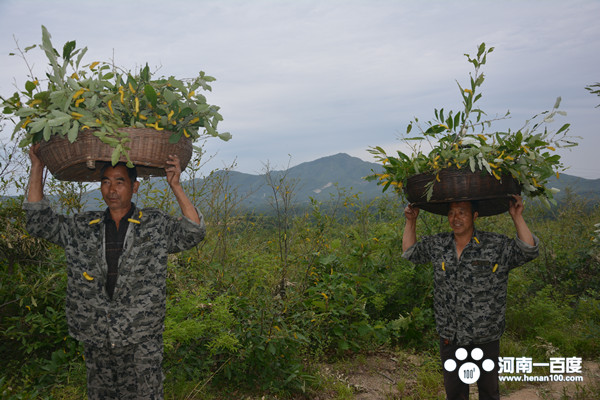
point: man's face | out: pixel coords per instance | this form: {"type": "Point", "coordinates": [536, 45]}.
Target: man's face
{"type": "Point", "coordinates": [461, 218]}
{"type": "Point", "coordinates": [116, 188]}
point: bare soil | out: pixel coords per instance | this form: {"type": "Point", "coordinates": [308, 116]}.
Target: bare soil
{"type": "Point", "coordinates": [386, 376]}
{"type": "Point", "coordinates": [564, 390]}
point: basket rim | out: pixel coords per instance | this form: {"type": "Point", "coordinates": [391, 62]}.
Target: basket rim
{"type": "Point", "coordinates": [148, 151]}
{"type": "Point", "coordinates": [459, 199]}
{"type": "Point", "coordinates": [497, 202]}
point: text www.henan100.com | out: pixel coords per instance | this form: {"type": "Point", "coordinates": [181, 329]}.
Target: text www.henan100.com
{"type": "Point", "coordinates": [538, 378]}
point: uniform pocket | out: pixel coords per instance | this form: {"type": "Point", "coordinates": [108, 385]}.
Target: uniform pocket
{"type": "Point", "coordinates": [482, 267]}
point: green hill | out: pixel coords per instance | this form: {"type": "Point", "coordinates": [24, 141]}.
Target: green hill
{"type": "Point", "coordinates": [319, 179]}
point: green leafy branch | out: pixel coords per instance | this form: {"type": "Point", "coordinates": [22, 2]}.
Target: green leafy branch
{"type": "Point", "coordinates": [103, 98]}
{"type": "Point", "coordinates": [462, 139]}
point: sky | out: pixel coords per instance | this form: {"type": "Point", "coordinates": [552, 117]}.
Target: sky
{"type": "Point", "coordinates": [304, 79]}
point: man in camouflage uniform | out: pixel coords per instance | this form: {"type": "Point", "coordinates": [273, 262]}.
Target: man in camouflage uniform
{"type": "Point", "coordinates": [470, 281]}
{"type": "Point", "coordinates": [117, 267]}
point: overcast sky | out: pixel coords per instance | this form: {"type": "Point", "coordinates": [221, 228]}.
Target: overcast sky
{"type": "Point", "coordinates": [309, 79]}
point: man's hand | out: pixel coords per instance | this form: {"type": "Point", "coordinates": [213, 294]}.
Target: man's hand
{"type": "Point", "coordinates": [36, 161]}
{"type": "Point", "coordinates": [173, 171]}
{"type": "Point", "coordinates": [516, 207]}
{"type": "Point", "coordinates": [411, 213]}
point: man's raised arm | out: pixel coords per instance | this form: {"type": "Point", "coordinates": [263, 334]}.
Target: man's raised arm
{"type": "Point", "coordinates": [36, 176]}
{"type": "Point", "coordinates": [516, 212]}
{"type": "Point", "coordinates": [173, 175]}
{"type": "Point", "coordinates": [409, 237]}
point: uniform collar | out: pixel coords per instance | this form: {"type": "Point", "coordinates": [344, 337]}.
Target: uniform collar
{"type": "Point", "coordinates": [107, 217]}
{"type": "Point", "coordinates": [475, 239]}
{"type": "Point", "coordinates": [134, 215]}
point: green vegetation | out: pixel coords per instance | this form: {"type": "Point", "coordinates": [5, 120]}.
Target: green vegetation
{"type": "Point", "coordinates": [255, 309]}
{"type": "Point", "coordinates": [466, 139]}
{"type": "Point", "coordinates": [102, 98]}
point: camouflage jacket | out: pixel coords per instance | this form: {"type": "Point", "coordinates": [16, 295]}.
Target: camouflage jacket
{"type": "Point", "coordinates": [470, 292]}
{"type": "Point", "coordinates": [137, 310]}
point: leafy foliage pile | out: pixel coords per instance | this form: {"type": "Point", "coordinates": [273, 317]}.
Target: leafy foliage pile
{"type": "Point", "coordinates": [102, 98]}
{"type": "Point", "coordinates": [245, 317]}
{"type": "Point", "coordinates": [466, 139]}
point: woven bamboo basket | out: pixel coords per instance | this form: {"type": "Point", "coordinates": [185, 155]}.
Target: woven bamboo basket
{"type": "Point", "coordinates": [82, 160]}
{"type": "Point", "coordinates": [492, 195]}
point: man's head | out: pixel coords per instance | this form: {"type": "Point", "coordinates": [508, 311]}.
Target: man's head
{"type": "Point", "coordinates": [117, 185]}
{"type": "Point", "coordinates": [131, 172]}
{"type": "Point", "coordinates": [462, 216]}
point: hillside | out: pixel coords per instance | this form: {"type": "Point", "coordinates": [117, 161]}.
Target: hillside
{"type": "Point", "coordinates": [318, 179]}
{"type": "Point", "coordinates": [586, 188]}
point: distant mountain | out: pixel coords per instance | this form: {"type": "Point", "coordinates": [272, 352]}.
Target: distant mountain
{"type": "Point", "coordinates": [586, 188]}
{"type": "Point", "coordinates": [319, 178]}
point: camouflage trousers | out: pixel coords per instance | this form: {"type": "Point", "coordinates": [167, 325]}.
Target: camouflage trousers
{"type": "Point", "coordinates": [130, 372]}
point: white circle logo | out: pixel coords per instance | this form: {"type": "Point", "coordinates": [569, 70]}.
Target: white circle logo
{"type": "Point", "coordinates": [488, 365]}
{"type": "Point", "coordinates": [477, 354]}
{"type": "Point", "coordinates": [450, 365]}
{"type": "Point", "coordinates": [461, 354]}
{"type": "Point", "coordinates": [469, 372]}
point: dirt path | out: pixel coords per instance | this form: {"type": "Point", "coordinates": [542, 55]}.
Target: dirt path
{"type": "Point", "coordinates": [385, 376]}
{"type": "Point", "coordinates": [374, 377]}
{"type": "Point", "coordinates": [564, 390]}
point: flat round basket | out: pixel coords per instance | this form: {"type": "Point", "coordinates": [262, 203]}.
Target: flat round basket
{"type": "Point", "coordinates": [82, 160]}
{"type": "Point", "coordinates": [492, 195]}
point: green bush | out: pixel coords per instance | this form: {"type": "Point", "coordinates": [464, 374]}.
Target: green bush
{"type": "Point", "coordinates": [245, 319]}
{"type": "Point", "coordinates": [335, 307]}
{"type": "Point", "coordinates": [586, 328]}
{"type": "Point", "coordinates": [36, 345]}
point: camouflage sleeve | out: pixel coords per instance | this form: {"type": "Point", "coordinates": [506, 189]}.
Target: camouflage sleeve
{"type": "Point", "coordinates": [419, 253]}
{"type": "Point", "coordinates": [520, 252]}
{"type": "Point", "coordinates": [183, 233]}
{"type": "Point", "coordinates": [43, 222]}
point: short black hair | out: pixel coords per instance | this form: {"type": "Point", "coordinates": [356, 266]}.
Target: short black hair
{"type": "Point", "coordinates": [131, 172]}
{"type": "Point", "coordinates": [474, 205]}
